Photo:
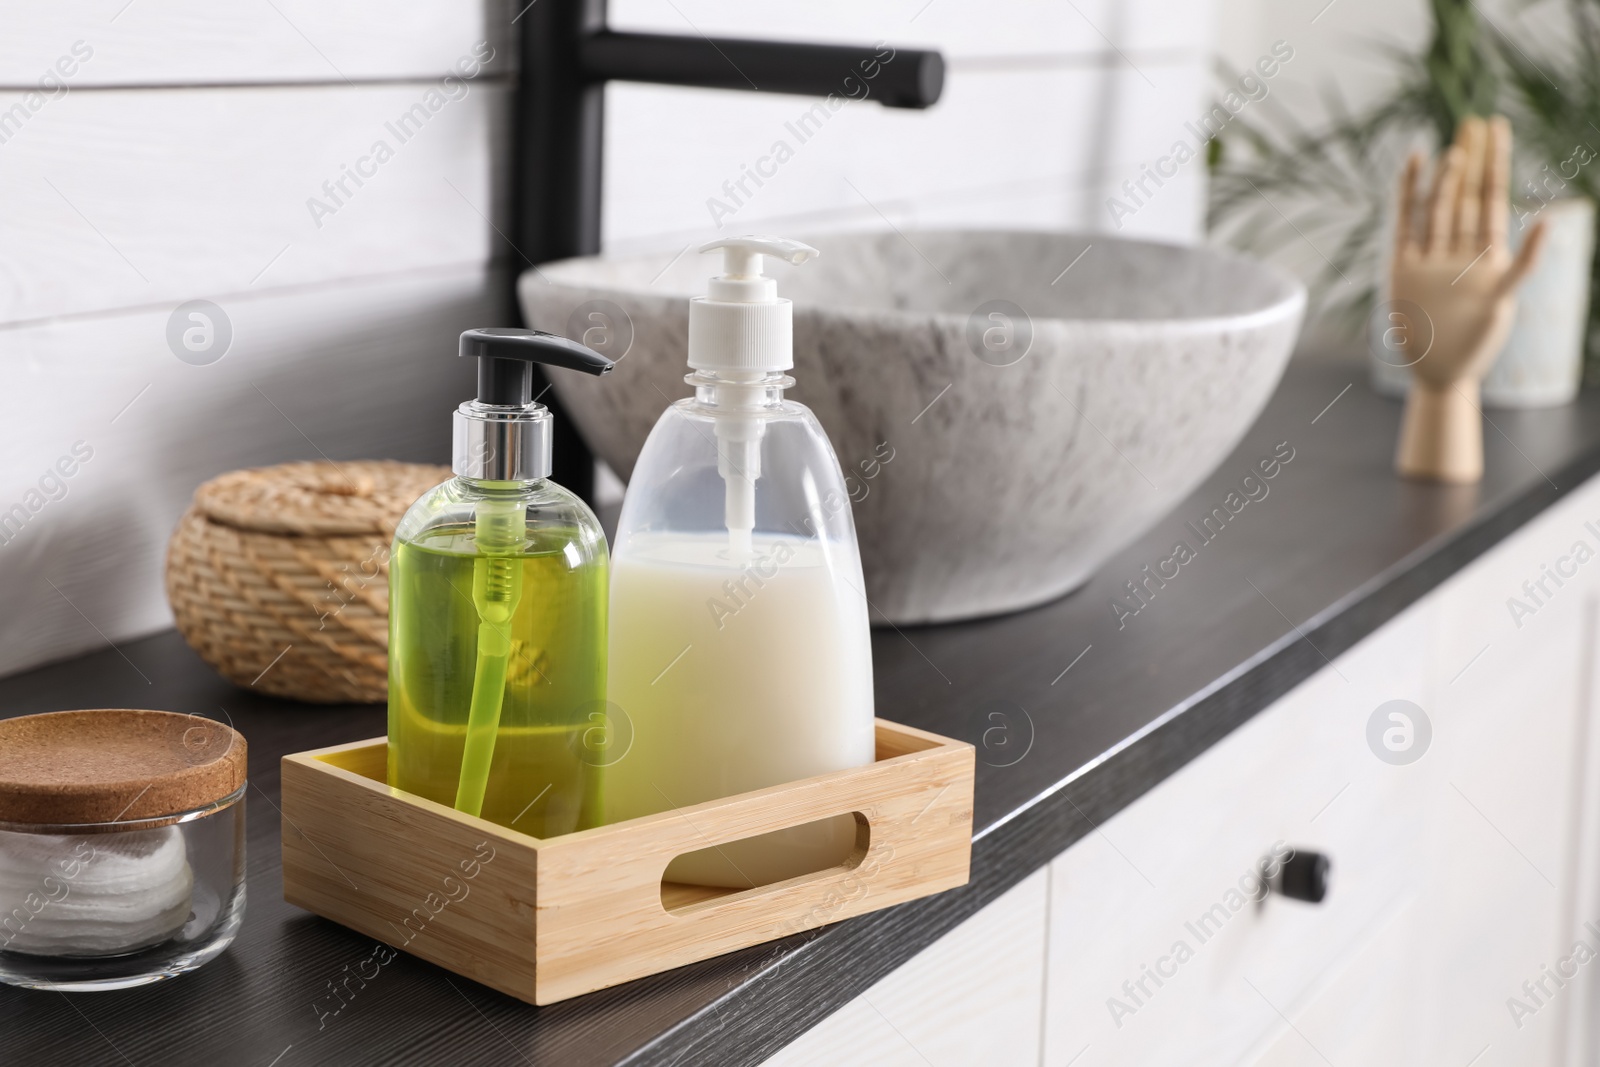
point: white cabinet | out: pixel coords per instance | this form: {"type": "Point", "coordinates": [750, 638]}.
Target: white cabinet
{"type": "Point", "coordinates": [1509, 863]}
{"type": "Point", "coordinates": [1457, 877]}
{"type": "Point", "coordinates": [1158, 952]}
{"type": "Point", "coordinates": [974, 996]}
{"type": "Point", "coordinates": [1362, 1012]}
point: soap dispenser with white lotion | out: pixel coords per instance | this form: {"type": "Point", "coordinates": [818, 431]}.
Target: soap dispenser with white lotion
{"type": "Point", "coordinates": [740, 650]}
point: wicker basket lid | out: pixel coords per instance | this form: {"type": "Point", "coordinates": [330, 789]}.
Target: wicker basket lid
{"type": "Point", "coordinates": [318, 499]}
{"type": "Point", "coordinates": [115, 765]}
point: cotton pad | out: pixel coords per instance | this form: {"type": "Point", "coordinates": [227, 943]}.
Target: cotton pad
{"type": "Point", "coordinates": [92, 895]}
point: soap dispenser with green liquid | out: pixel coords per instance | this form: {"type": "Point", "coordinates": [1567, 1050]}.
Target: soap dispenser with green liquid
{"type": "Point", "coordinates": [497, 611]}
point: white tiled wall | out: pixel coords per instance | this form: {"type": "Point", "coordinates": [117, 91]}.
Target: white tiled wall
{"type": "Point", "coordinates": [178, 161]}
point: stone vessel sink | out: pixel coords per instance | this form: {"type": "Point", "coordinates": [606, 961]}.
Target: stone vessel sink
{"type": "Point", "coordinates": [1009, 408]}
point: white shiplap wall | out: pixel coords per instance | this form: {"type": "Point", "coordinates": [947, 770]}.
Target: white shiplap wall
{"type": "Point", "coordinates": [1048, 107]}
{"type": "Point", "coordinates": [177, 164]}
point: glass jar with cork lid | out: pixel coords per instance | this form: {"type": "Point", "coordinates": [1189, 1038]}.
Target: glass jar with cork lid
{"type": "Point", "coordinates": [121, 846]}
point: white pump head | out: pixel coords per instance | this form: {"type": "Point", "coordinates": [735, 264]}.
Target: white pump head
{"type": "Point", "coordinates": [742, 324]}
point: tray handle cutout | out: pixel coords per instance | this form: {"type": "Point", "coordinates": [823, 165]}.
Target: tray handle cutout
{"type": "Point", "coordinates": [686, 888]}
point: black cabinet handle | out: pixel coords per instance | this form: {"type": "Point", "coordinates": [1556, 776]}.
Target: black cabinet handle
{"type": "Point", "coordinates": [1303, 876]}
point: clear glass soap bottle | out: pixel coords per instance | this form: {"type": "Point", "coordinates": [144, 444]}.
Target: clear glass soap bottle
{"type": "Point", "coordinates": [497, 612]}
{"type": "Point", "coordinates": [740, 647]}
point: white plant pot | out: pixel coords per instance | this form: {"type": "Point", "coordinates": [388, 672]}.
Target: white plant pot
{"type": "Point", "coordinates": [1542, 362]}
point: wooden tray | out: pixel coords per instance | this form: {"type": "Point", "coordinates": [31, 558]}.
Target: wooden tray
{"type": "Point", "coordinates": [544, 920]}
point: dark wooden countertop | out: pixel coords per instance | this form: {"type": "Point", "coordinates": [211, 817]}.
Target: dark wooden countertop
{"type": "Point", "coordinates": [1337, 547]}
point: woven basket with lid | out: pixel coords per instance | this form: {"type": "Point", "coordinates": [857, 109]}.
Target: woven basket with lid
{"type": "Point", "coordinates": [279, 576]}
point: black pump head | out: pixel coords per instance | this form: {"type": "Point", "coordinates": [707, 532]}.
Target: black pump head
{"type": "Point", "coordinates": [506, 356]}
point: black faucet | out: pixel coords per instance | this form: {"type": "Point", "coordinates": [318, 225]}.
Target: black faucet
{"type": "Point", "coordinates": [568, 55]}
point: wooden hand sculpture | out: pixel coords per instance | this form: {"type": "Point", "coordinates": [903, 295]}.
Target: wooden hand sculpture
{"type": "Point", "coordinates": [1453, 289]}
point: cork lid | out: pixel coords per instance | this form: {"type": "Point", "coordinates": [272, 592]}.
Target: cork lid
{"type": "Point", "coordinates": [318, 499]}
{"type": "Point", "coordinates": [114, 765]}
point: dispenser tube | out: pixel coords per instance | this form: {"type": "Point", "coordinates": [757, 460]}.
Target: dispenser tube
{"type": "Point", "coordinates": [739, 463]}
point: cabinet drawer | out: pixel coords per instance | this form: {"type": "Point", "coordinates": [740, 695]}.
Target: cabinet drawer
{"type": "Point", "coordinates": [1156, 954]}
{"type": "Point", "coordinates": [1362, 1012]}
